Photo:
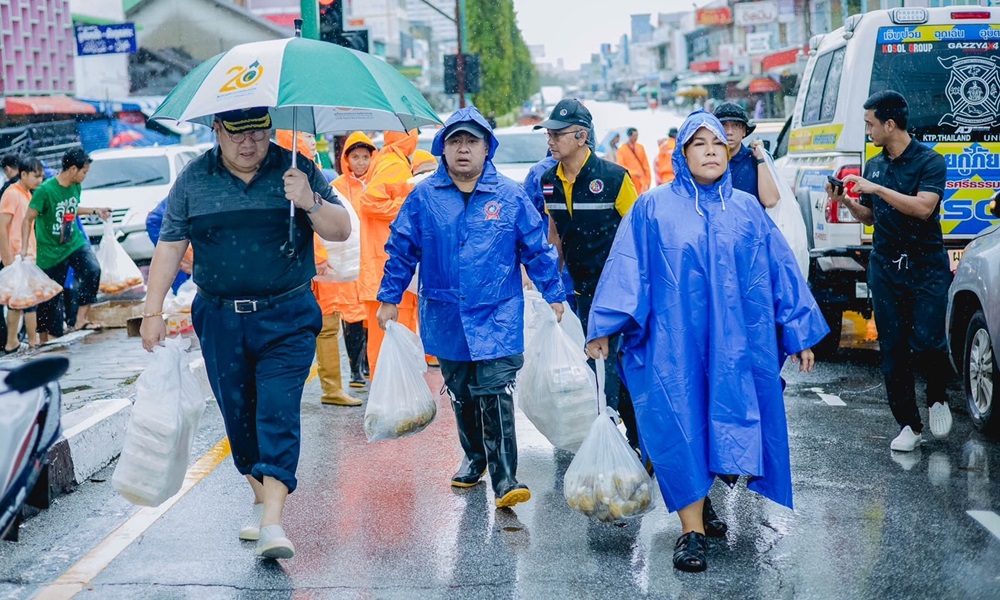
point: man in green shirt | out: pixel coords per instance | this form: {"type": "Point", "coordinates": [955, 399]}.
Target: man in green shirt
{"type": "Point", "coordinates": [61, 245]}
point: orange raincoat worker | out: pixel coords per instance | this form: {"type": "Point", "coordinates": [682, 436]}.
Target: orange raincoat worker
{"type": "Point", "coordinates": [664, 158]}
{"type": "Point", "coordinates": [387, 189]}
{"type": "Point", "coordinates": [632, 156]}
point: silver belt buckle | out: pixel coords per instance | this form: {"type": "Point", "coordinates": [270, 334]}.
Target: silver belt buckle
{"type": "Point", "coordinates": [243, 307]}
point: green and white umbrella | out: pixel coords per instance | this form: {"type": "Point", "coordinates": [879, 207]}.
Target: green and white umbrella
{"type": "Point", "coordinates": [309, 86]}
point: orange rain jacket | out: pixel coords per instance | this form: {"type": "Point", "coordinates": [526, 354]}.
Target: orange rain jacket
{"type": "Point", "coordinates": [664, 161]}
{"type": "Point", "coordinates": [343, 297]}
{"type": "Point", "coordinates": [637, 164]}
{"type": "Point", "coordinates": [380, 203]}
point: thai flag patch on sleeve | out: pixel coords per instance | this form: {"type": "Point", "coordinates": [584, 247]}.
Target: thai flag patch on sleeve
{"type": "Point", "coordinates": [548, 189]}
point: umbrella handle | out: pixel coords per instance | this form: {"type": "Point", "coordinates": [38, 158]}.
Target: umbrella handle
{"type": "Point", "coordinates": [290, 249]}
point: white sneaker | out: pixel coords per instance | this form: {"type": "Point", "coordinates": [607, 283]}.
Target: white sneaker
{"type": "Point", "coordinates": [273, 543]}
{"type": "Point", "coordinates": [251, 529]}
{"type": "Point", "coordinates": [906, 441]}
{"type": "Point", "coordinates": [940, 417]}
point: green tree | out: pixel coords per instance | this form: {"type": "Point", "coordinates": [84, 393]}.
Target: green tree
{"type": "Point", "coordinates": [507, 75]}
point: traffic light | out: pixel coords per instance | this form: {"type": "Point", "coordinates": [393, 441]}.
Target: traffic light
{"type": "Point", "coordinates": [331, 27]}
{"type": "Point", "coordinates": [331, 20]}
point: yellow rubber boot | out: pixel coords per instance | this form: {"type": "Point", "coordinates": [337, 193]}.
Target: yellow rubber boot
{"type": "Point", "coordinates": [328, 364]}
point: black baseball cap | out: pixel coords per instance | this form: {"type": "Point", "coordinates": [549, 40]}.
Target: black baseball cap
{"type": "Point", "coordinates": [729, 111]}
{"type": "Point", "coordinates": [470, 127]}
{"type": "Point", "coordinates": [245, 119]}
{"type": "Point", "coordinates": [566, 113]}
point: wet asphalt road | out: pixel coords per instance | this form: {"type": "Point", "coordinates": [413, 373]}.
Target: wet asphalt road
{"type": "Point", "coordinates": [380, 520]}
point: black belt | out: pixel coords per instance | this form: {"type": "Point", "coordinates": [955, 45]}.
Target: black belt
{"type": "Point", "coordinates": [252, 305]}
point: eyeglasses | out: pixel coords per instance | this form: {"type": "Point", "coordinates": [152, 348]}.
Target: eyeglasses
{"type": "Point", "coordinates": [257, 135]}
{"type": "Point", "coordinates": [556, 135]}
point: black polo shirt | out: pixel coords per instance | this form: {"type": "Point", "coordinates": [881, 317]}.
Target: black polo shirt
{"type": "Point", "coordinates": [917, 169]}
{"type": "Point", "coordinates": [238, 229]}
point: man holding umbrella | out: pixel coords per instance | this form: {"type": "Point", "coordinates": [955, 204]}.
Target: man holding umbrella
{"type": "Point", "coordinates": [255, 314]}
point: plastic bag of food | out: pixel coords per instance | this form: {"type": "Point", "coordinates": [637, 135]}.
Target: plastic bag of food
{"type": "Point", "coordinates": [119, 272]}
{"type": "Point", "coordinates": [400, 402]}
{"type": "Point", "coordinates": [168, 406]}
{"type": "Point", "coordinates": [606, 481]}
{"type": "Point", "coordinates": [184, 298]}
{"type": "Point", "coordinates": [23, 285]}
{"type": "Point", "coordinates": [344, 258]}
{"type": "Point", "coordinates": [556, 387]}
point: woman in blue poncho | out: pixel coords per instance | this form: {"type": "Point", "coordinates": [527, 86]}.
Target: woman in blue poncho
{"type": "Point", "coordinates": [707, 296]}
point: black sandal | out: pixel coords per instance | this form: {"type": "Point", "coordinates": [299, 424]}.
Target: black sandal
{"type": "Point", "coordinates": [689, 553]}
{"type": "Point", "coordinates": [714, 526]}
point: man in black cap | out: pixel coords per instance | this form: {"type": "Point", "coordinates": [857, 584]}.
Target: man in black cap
{"type": "Point", "coordinates": [747, 166]}
{"type": "Point", "coordinates": [255, 314]}
{"type": "Point", "coordinates": [586, 198]}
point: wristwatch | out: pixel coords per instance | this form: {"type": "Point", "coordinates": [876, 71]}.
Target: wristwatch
{"type": "Point", "coordinates": [761, 161]}
{"type": "Point", "coordinates": [317, 206]}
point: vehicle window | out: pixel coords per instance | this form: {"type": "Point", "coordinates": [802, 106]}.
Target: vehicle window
{"type": "Point", "coordinates": [127, 172]}
{"type": "Point", "coordinates": [781, 148]}
{"type": "Point", "coordinates": [832, 90]}
{"type": "Point", "coordinates": [814, 96]}
{"type": "Point", "coordinates": [520, 148]}
{"type": "Point", "coordinates": [951, 85]}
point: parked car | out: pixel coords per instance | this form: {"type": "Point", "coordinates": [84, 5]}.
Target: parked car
{"type": "Point", "coordinates": [520, 148]}
{"type": "Point", "coordinates": [637, 103]}
{"type": "Point", "coordinates": [973, 322]}
{"type": "Point", "coordinates": [131, 182]}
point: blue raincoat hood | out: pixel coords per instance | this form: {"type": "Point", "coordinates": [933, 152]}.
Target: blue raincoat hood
{"type": "Point", "coordinates": [464, 115]}
{"type": "Point", "coordinates": [684, 183]}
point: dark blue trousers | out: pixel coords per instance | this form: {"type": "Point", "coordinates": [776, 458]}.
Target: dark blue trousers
{"type": "Point", "coordinates": [910, 300]}
{"type": "Point", "coordinates": [257, 364]}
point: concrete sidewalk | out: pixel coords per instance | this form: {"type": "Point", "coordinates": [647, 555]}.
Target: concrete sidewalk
{"type": "Point", "coordinates": [98, 391]}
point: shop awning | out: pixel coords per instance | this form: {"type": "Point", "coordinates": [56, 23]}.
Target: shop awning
{"type": "Point", "coordinates": [763, 85]}
{"type": "Point", "coordinates": [47, 105]}
{"type": "Point", "coordinates": [705, 66]}
{"type": "Point", "coordinates": [781, 61]}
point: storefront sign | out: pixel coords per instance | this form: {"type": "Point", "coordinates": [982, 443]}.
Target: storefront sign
{"type": "Point", "coordinates": [747, 14]}
{"type": "Point", "coordinates": [92, 40]}
{"type": "Point", "coordinates": [714, 16]}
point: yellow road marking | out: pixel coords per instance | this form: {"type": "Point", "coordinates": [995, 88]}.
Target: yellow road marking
{"type": "Point", "coordinates": [79, 576]}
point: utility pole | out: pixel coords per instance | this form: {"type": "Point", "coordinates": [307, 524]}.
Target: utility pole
{"type": "Point", "coordinates": [459, 24]}
{"type": "Point", "coordinates": [310, 19]}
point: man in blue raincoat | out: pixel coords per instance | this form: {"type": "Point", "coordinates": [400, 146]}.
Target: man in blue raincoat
{"type": "Point", "coordinates": [471, 229]}
{"type": "Point", "coordinates": [697, 283]}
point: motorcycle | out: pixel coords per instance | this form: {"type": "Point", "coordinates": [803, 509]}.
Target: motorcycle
{"type": "Point", "coordinates": [30, 411]}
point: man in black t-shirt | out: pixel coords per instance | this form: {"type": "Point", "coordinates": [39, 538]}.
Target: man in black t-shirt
{"type": "Point", "coordinates": [908, 273]}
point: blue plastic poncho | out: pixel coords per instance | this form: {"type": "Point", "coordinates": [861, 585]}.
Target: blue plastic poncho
{"type": "Point", "coordinates": [701, 284]}
{"type": "Point", "coordinates": [471, 300]}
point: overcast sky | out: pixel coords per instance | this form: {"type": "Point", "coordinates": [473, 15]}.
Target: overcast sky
{"type": "Point", "coordinates": [574, 29]}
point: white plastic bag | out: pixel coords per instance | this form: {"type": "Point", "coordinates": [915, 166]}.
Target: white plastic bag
{"type": "Point", "coordinates": [23, 285]}
{"type": "Point", "coordinates": [606, 481]}
{"type": "Point", "coordinates": [573, 327]}
{"type": "Point", "coordinates": [534, 314]}
{"type": "Point", "coordinates": [787, 216]}
{"type": "Point", "coordinates": [344, 258]}
{"type": "Point", "coordinates": [168, 406]}
{"type": "Point", "coordinates": [400, 402]}
{"type": "Point", "coordinates": [183, 300]}
{"type": "Point", "coordinates": [556, 387]}
{"type": "Point", "coordinates": [414, 281]}
{"type": "Point", "coordinates": [119, 272]}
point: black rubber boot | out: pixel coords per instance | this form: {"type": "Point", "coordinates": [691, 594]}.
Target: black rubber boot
{"type": "Point", "coordinates": [714, 526]}
{"type": "Point", "coordinates": [501, 449]}
{"type": "Point", "coordinates": [468, 417]}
